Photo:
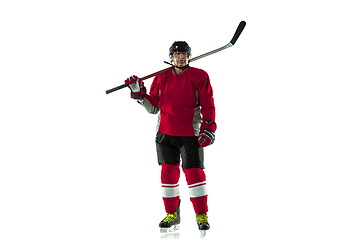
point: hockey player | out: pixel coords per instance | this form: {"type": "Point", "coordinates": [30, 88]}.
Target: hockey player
{"type": "Point", "coordinates": [186, 124]}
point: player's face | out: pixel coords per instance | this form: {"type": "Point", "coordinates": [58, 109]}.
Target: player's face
{"type": "Point", "coordinates": [180, 59]}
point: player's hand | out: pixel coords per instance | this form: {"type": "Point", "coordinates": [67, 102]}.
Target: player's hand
{"type": "Point", "coordinates": [207, 133]}
{"type": "Point", "coordinates": [136, 86]}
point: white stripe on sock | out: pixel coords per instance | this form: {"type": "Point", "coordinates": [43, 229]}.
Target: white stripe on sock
{"type": "Point", "coordinates": [198, 191]}
{"type": "Point", "coordinates": [196, 184]}
{"type": "Point", "coordinates": [169, 192]}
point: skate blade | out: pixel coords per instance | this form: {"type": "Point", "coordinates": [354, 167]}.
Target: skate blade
{"type": "Point", "coordinates": [170, 229]}
{"type": "Point", "coordinates": [203, 233]}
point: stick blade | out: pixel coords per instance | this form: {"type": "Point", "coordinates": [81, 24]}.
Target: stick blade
{"type": "Point", "coordinates": [239, 30]}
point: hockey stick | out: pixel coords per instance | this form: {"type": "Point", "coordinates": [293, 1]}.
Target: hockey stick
{"type": "Point", "coordinates": [239, 30]}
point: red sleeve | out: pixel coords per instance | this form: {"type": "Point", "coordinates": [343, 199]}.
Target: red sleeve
{"type": "Point", "coordinates": [206, 99]}
{"type": "Point", "coordinates": [153, 96]}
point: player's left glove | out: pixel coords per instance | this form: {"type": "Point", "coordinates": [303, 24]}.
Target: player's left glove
{"type": "Point", "coordinates": [207, 133]}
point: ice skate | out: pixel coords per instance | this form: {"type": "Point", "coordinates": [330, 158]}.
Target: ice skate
{"type": "Point", "coordinates": [203, 224]}
{"type": "Point", "coordinates": [171, 222]}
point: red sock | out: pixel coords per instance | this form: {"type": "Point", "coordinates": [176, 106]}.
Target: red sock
{"type": "Point", "coordinates": [196, 181]}
{"type": "Point", "coordinates": [170, 175]}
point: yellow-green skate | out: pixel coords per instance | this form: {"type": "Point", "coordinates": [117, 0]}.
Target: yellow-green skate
{"type": "Point", "coordinates": [171, 222]}
{"type": "Point", "coordinates": [203, 223]}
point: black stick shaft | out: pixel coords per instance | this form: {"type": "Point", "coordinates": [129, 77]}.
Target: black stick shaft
{"type": "Point", "coordinates": [116, 88]}
{"type": "Point", "coordinates": [143, 78]}
{"type": "Point", "coordinates": [238, 31]}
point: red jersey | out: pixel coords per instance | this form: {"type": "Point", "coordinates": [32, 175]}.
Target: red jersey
{"type": "Point", "coordinates": [184, 101]}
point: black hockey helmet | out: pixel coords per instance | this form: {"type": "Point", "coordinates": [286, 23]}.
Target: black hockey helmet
{"type": "Point", "coordinates": [179, 46]}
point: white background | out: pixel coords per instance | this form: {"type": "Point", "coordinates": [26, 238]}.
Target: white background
{"type": "Point", "coordinates": [79, 164]}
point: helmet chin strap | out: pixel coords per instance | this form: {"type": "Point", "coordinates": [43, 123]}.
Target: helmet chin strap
{"type": "Point", "coordinates": [182, 68]}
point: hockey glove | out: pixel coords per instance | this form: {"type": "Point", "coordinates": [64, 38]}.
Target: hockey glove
{"type": "Point", "coordinates": [207, 133]}
{"type": "Point", "coordinates": [136, 86]}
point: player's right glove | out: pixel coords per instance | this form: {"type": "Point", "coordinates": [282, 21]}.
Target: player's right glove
{"type": "Point", "coordinates": [136, 86]}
